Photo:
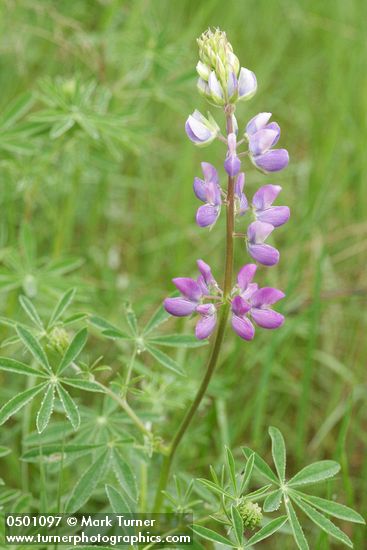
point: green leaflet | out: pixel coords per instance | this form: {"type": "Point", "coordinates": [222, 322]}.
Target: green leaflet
{"type": "Point", "coordinates": [70, 408]}
{"type": "Point", "coordinates": [87, 483]}
{"type": "Point", "coordinates": [45, 411]}
{"type": "Point", "coordinates": [19, 401]}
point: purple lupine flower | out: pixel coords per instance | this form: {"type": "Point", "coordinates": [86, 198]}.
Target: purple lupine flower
{"type": "Point", "coordinates": [253, 302]}
{"type": "Point", "coordinates": [191, 294]}
{"type": "Point", "coordinates": [263, 209]}
{"type": "Point", "coordinates": [206, 280]}
{"type": "Point", "coordinates": [261, 137]}
{"type": "Point", "coordinates": [201, 130]}
{"type": "Point", "coordinates": [208, 191]}
{"type": "Point", "coordinates": [232, 164]}
{"type": "Point", "coordinates": [257, 233]}
{"type": "Point", "coordinates": [241, 204]}
{"type": "Point", "coordinates": [191, 300]}
{"type": "Point", "coordinates": [205, 325]}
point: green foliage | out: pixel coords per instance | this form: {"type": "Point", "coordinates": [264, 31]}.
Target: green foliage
{"type": "Point", "coordinates": [238, 512]}
{"type": "Point", "coordinates": [96, 210]}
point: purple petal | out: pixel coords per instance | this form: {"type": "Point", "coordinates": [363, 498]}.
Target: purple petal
{"type": "Point", "coordinates": [257, 232]}
{"type": "Point", "coordinates": [266, 296]}
{"type": "Point", "coordinates": [267, 318]}
{"type": "Point", "coordinates": [250, 290]}
{"type": "Point", "coordinates": [265, 196]}
{"type": "Point", "coordinates": [206, 309]}
{"type": "Point", "coordinates": [215, 87]}
{"type": "Point", "coordinates": [196, 130]}
{"type": "Point", "coordinates": [257, 123]}
{"type": "Point", "coordinates": [245, 275]}
{"type": "Point", "coordinates": [274, 126]}
{"type": "Point", "coordinates": [200, 189]}
{"type": "Point", "coordinates": [239, 306]}
{"type": "Point", "coordinates": [264, 254]}
{"type": "Point", "coordinates": [261, 141]}
{"type": "Point", "coordinates": [240, 183]}
{"type": "Point", "coordinates": [272, 161]}
{"type": "Point", "coordinates": [275, 215]}
{"type": "Point", "coordinates": [189, 288]}
{"type": "Point", "coordinates": [179, 306]}
{"type": "Point", "coordinates": [207, 215]}
{"type": "Point", "coordinates": [213, 193]}
{"type": "Point", "coordinates": [232, 165]}
{"type": "Point", "coordinates": [210, 173]}
{"type": "Point", "coordinates": [206, 272]}
{"type": "Point", "coordinates": [243, 327]}
{"type": "Point", "coordinates": [247, 83]}
{"type": "Point", "coordinates": [232, 143]}
{"type": "Point", "coordinates": [205, 326]}
{"type": "Point", "coordinates": [232, 84]}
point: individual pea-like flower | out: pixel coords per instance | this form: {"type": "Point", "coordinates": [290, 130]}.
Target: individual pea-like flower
{"type": "Point", "coordinates": [208, 191]}
{"type": "Point", "coordinates": [202, 131]}
{"type": "Point", "coordinates": [247, 84]}
{"type": "Point", "coordinates": [257, 233]}
{"type": "Point", "coordinates": [193, 293]}
{"type": "Point", "coordinates": [262, 206]}
{"type": "Point", "coordinates": [232, 164]}
{"type": "Point", "coordinates": [262, 137]}
{"type": "Point", "coordinates": [254, 302]}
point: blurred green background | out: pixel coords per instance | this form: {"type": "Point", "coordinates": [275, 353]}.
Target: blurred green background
{"type": "Point", "coordinates": [97, 165]}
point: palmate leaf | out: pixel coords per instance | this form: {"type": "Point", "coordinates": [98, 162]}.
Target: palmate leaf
{"type": "Point", "coordinates": [45, 411]}
{"type": "Point", "coordinates": [260, 465]}
{"type": "Point", "coordinates": [70, 408]}
{"type": "Point", "coordinates": [332, 508]}
{"type": "Point", "coordinates": [212, 536]}
{"type": "Point", "coordinates": [74, 349]}
{"type": "Point", "coordinates": [231, 469]}
{"type": "Point", "coordinates": [215, 488]}
{"type": "Point", "coordinates": [131, 319]}
{"type": "Point", "coordinates": [62, 306]}
{"type": "Point", "coordinates": [266, 531]}
{"type": "Point", "coordinates": [165, 360]}
{"type": "Point", "coordinates": [19, 401]}
{"type": "Point", "coordinates": [294, 523]}
{"type": "Point", "coordinates": [247, 472]}
{"type": "Point", "coordinates": [87, 483]}
{"type": "Point", "coordinates": [118, 502]}
{"type": "Point", "coordinates": [321, 521]}
{"type": "Point", "coordinates": [273, 501]}
{"type": "Point", "coordinates": [108, 329]}
{"type": "Point", "coordinates": [278, 452]}
{"type": "Point", "coordinates": [33, 346]}
{"type": "Point", "coordinates": [31, 311]}
{"type": "Point", "coordinates": [57, 451]}
{"type": "Point", "coordinates": [177, 341]}
{"type": "Point", "coordinates": [237, 523]}
{"type": "Point", "coordinates": [11, 365]}
{"type": "Point", "coordinates": [86, 385]}
{"type": "Point", "coordinates": [124, 474]}
{"type": "Point", "coordinates": [314, 473]}
{"type": "Point", "coordinates": [158, 317]}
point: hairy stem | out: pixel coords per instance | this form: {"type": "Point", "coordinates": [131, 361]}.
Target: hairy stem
{"type": "Point", "coordinates": [217, 344]}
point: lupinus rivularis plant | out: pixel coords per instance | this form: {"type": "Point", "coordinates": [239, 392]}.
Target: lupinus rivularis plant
{"type": "Point", "coordinates": [224, 84]}
{"type": "Point", "coordinates": [111, 441]}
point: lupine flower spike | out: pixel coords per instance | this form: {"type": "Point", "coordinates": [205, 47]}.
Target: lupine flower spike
{"type": "Point", "coordinates": [223, 82]}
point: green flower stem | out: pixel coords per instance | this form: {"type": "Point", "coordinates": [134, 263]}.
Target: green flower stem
{"type": "Point", "coordinates": [215, 350]}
